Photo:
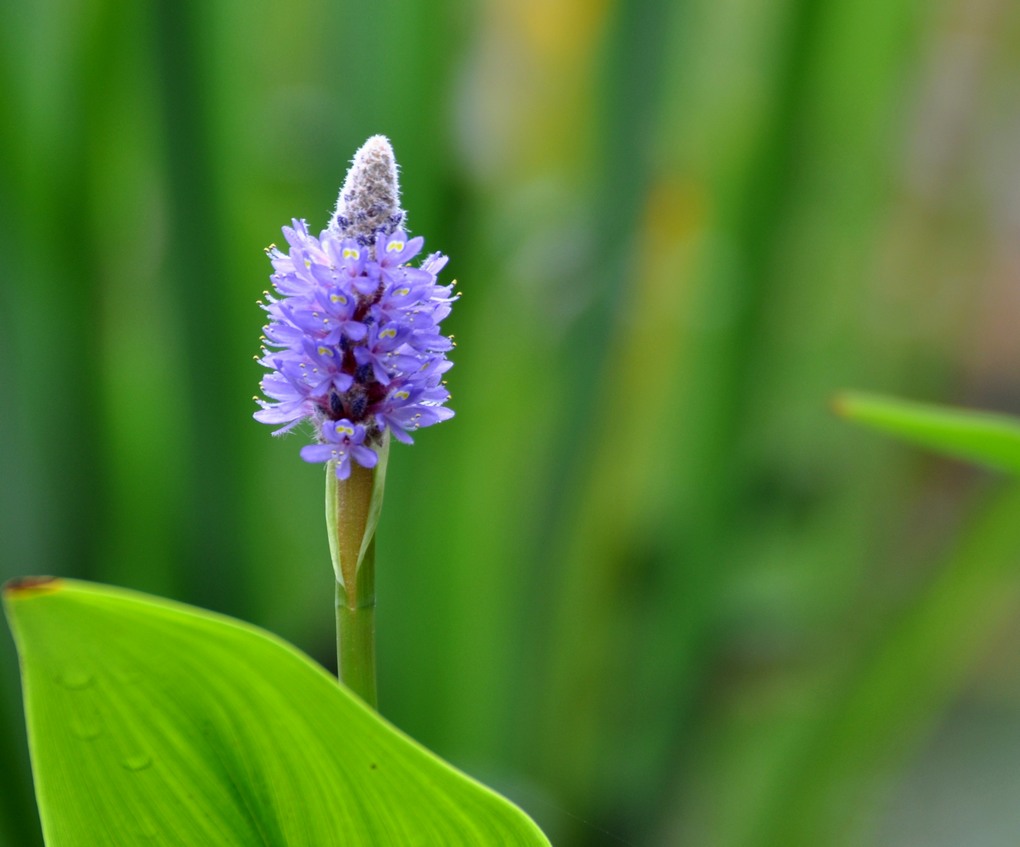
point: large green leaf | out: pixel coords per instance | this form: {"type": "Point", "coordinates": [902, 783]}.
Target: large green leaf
{"type": "Point", "coordinates": [981, 437]}
{"type": "Point", "coordinates": [154, 722]}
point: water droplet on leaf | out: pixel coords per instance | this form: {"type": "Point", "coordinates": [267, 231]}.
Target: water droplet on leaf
{"type": "Point", "coordinates": [86, 730]}
{"type": "Point", "coordinates": [138, 762]}
{"type": "Point", "coordinates": [76, 679]}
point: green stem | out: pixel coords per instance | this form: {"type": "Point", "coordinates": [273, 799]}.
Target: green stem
{"type": "Point", "coordinates": [352, 513]}
{"type": "Point", "coordinates": [355, 632]}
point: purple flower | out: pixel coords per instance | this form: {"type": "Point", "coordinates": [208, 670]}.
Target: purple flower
{"type": "Point", "coordinates": [354, 340]}
{"type": "Point", "coordinates": [343, 440]}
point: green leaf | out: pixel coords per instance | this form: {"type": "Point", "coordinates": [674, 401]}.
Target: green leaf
{"type": "Point", "coordinates": [981, 437]}
{"type": "Point", "coordinates": [154, 722]}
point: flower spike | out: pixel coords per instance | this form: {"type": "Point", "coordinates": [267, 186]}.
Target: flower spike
{"type": "Point", "coordinates": [353, 331]}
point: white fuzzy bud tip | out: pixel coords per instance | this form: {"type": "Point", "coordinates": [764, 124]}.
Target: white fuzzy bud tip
{"type": "Point", "coordinates": [369, 202]}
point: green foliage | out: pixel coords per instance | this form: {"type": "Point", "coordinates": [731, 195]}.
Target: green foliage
{"type": "Point", "coordinates": [986, 439]}
{"type": "Point", "coordinates": [890, 694]}
{"type": "Point", "coordinates": [153, 721]}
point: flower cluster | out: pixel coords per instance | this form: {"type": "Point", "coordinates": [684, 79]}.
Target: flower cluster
{"type": "Point", "coordinates": [355, 329]}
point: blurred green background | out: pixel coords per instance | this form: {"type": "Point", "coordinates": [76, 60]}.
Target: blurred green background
{"type": "Point", "coordinates": [644, 583]}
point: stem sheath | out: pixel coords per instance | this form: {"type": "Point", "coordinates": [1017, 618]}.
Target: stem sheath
{"type": "Point", "coordinates": [352, 512]}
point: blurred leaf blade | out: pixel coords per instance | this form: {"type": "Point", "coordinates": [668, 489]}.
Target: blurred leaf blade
{"type": "Point", "coordinates": [152, 720]}
{"type": "Point", "coordinates": [902, 684]}
{"type": "Point", "coordinates": [987, 439]}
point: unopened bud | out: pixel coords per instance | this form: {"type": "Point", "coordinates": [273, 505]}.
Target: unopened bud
{"type": "Point", "coordinates": [369, 202]}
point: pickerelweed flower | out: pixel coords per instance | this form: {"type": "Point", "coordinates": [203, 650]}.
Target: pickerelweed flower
{"type": "Point", "coordinates": [353, 332]}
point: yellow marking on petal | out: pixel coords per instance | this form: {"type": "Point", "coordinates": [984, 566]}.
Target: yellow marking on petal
{"type": "Point", "coordinates": [345, 430]}
{"type": "Point", "coordinates": [308, 263]}
{"type": "Point", "coordinates": [403, 292]}
{"type": "Point", "coordinates": [395, 247]}
{"type": "Point", "coordinates": [351, 253]}
{"type": "Point", "coordinates": [338, 298]}
{"type": "Point", "coordinates": [401, 395]}
{"type": "Point", "coordinates": [388, 333]}
{"type": "Point", "coordinates": [324, 351]}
